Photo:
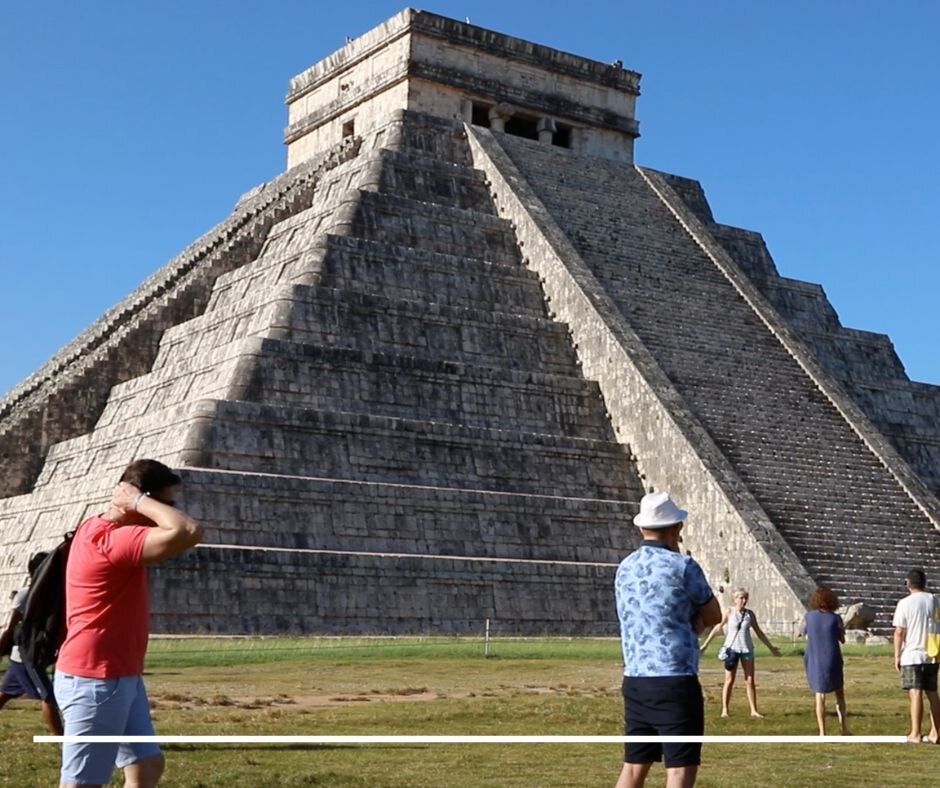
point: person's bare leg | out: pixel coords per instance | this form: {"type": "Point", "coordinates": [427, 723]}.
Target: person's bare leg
{"type": "Point", "coordinates": [750, 686]}
{"type": "Point", "coordinates": [726, 690]}
{"type": "Point", "coordinates": [49, 713]}
{"type": "Point", "coordinates": [145, 773]}
{"type": "Point", "coordinates": [681, 776]}
{"type": "Point", "coordinates": [842, 712]}
{"type": "Point", "coordinates": [917, 713]}
{"type": "Point", "coordinates": [821, 712]}
{"type": "Point", "coordinates": [933, 698]}
{"type": "Point", "coordinates": [633, 775]}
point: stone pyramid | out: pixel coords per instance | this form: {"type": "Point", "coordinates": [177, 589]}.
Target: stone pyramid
{"type": "Point", "coordinates": [421, 379]}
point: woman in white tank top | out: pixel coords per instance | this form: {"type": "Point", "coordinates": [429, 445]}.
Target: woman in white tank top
{"type": "Point", "coordinates": [738, 623]}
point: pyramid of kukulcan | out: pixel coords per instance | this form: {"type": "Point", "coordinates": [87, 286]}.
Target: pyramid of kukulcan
{"type": "Point", "coordinates": [422, 378]}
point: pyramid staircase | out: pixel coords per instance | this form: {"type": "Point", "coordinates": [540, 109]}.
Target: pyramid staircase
{"type": "Point", "coordinates": [845, 504]}
{"type": "Point", "coordinates": [864, 363]}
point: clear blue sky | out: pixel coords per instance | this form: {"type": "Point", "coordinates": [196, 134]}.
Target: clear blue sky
{"type": "Point", "coordinates": [128, 129]}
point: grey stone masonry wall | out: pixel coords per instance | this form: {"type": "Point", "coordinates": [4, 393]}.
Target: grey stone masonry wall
{"type": "Point", "coordinates": [376, 418]}
{"type": "Point", "coordinates": [343, 593]}
{"type": "Point", "coordinates": [293, 512]}
{"type": "Point", "coordinates": [826, 479]}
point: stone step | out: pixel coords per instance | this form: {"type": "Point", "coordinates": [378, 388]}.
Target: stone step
{"type": "Point", "coordinates": [276, 372]}
{"type": "Point", "coordinates": [342, 319]}
{"type": "Point", "coordinates": [265, 439]}
{"type": "Point", "coordinates": [873, 542]}
{"type": "Point", "coordinates": [433, 228]}
{"type": "Point", "coordinates": [336, 318]}
{"type": "Point", "coordinates": [778, 441]}
{"type": "Point", "coordinates": [427, 179]}
{"type": "Point", "coordinates": [400, 272]}
{"type": "Point", "coordinates": [358, 381]}
{"type": "Point", "coordinates": [417, 133]}
{"type": "Point", "coordinates": [310, 513]}
{"type": "Point", "coordinates": [798, 482]}
{"type": "Point", "coordinates": [243, 436]}
{"type": "Point", "coordinates": [876, 588]}
{"type": "Point", "coordinates": [216, 589]}
{"type": "Point", "coordinates": [162, 434]}
{"type": "Point", "coordinates": [397, 272]}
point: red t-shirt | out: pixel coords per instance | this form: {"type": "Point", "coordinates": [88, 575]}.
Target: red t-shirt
{"type": "Point", "coordinates": [107, 604]}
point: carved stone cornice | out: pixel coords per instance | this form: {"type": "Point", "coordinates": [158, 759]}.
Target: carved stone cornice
{"type": "Point", "coordinates": [472, 37]}
{"type": "Point", "coordinates": [536, 102]}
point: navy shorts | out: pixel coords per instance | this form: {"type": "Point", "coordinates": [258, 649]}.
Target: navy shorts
{"type": "Point", "coordinates": [21, 680]}
{"type": "Point", "coordinates": [663, 706]}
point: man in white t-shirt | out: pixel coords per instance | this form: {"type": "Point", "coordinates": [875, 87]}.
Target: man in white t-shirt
{"type": "Point", "coordinates": [912, 620]}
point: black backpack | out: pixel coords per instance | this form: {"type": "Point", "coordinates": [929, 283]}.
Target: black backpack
{"type": "Point", "coordinates": [42, 629]}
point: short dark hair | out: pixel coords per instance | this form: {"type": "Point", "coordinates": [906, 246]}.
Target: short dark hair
{"type": "Point", "coordinates": [917, 579]}
{"type": "Point", "coordinates": [149, 476]}
{"type": "Point", "coordinates": [824, 598]}
{"type": "Point", "coordinates": [35, 562]}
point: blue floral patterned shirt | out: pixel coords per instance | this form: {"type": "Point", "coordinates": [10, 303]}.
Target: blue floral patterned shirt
{"type": "Point", "coordinates": [657, 592]}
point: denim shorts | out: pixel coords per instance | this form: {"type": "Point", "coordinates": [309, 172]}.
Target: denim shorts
{"type": "Point", "coordinates": [102, 707]}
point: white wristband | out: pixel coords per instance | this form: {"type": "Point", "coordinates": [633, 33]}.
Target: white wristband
{"type": "Point", "coordinates": [138, 497]}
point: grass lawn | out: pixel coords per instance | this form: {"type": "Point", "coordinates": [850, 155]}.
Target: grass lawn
{"type": "Point", "coordinates": [445, 686]}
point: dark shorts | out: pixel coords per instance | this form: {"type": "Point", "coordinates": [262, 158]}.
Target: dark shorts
{"type": "Point", "coordinates": [919, 677]}
{"type": "Point", "coordinates": [20, 680]}
{"type": "Point", "coordinates": [663, 706]}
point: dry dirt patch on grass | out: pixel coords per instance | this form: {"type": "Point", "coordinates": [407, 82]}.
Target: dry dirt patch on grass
{"type": "Point", "coordinates": [181, 701]}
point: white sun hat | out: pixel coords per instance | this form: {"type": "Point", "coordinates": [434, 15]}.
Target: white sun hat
{"type": "Point", "coordinates": [658, 510]}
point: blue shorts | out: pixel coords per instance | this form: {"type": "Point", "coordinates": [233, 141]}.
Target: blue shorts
{"type": "Point", "coordinates": [102, 707]}
{"type": "Point", "coordinates": [20, 679]}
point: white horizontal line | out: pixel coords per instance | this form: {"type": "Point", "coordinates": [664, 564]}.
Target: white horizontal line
{"type": "Point", "coordinates": [422, 556]}
{"type": "Point", "coordinates": [471, 739]}
{"type": "Point", "coordinates": [369, 482]}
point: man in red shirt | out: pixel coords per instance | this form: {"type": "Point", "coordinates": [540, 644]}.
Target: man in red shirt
{"type": "Point", "coordinates": [98, 672]}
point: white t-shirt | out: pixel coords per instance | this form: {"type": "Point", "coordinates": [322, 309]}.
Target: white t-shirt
{"type": "Point", "coordinates": [914, 613]}
{"type": "Point", "coordinates": [19, 605]}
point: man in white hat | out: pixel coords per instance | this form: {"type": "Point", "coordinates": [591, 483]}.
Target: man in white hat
{"type": "Point", "coordinates": [663, 602]}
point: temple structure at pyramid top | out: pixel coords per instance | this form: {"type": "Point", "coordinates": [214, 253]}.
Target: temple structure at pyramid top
{"type": "Point", "coordinates": [427, 63]}
{"type": "Point", "coordinates": [421, 379]}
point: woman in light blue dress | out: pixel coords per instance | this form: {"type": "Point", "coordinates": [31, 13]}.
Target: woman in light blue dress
{"type": "Point", "coordinates": [823, 658]}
